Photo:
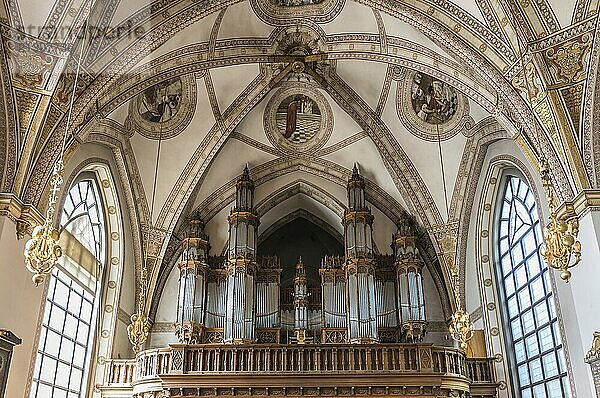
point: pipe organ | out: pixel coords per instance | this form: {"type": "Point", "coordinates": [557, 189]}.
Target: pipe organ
{"type": "Point", "coordinates": [409, 266]}
{"type": "Point", "coordinates": [243, 224]}
{"type": "Point", "coordinates": [192, 284]}
{"type": "Point", "coordinates": [359, 266]}
{"type": "Point", "coordinates": [361, 297]}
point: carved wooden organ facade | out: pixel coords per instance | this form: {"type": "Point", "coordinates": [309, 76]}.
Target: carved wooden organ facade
{"type": "Point", "coordinates": [238, 298]}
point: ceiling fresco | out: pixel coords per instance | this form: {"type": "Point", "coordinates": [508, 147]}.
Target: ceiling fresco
{"type": "Point", "coordinates": [299, 90]}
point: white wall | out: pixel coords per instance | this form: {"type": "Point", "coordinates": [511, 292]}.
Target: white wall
{"type": "Point", "coordinates": [576, 302]}
{"type": "Point", "coordinates": [20, 307]}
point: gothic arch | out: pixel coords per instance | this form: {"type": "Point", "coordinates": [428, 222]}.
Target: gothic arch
{"type": "Point", "coordinates": [485, 260]}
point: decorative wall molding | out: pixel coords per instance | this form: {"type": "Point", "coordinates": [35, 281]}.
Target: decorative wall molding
{"type": "Point", "coordinates": [25, 217]}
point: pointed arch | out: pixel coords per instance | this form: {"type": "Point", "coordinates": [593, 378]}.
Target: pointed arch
{"type": "Point", "coordinates": [488, 262]}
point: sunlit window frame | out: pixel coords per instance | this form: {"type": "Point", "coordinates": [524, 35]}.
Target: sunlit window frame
{"type": "Point", "coordinates": [75, 287]}
{"type": "Point", "coordinates": [508, 293]}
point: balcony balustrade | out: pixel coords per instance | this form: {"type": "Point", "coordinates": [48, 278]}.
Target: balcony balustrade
{"type": "Point", "coordinates": [377, 369]}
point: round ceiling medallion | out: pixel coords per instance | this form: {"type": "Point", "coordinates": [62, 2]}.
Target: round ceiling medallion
{"type": "Point", "coordinates": [164, 109]}
{"type": "Point", "coordinates": [281, 12]}
{"type": "Point", "coordinates": [298, 118]}
{"type": "Point", "coordinates": [430, 108]}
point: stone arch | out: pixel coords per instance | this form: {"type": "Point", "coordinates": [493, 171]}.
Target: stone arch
{"type": "Point", "coordinates": [500, 166]}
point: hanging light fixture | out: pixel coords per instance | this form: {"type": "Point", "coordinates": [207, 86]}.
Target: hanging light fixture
{"type": "Point", "coordinates": [42, 251]}
{"type": "Point", "coordinates": [560, 249]}
{"type": "Point", "coordinates": [139, 328]}
{"type": "Point", "coordinates": [460, 328]}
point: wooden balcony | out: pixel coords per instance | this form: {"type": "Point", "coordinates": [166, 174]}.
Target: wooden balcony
{"type": "Point", "coordinates": [302, 370]}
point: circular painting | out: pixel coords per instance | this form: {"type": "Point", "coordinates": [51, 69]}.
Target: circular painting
{"type": "Point", "coordinates": [298, 118]}
{"type": "Point", "coordinates": [160, 102]}
{"type": "Point", "coordinates": [164, 109]}
{"type": "Point", "coordinates": [430, 108]}
{"type": "Point", "coordinates": [433, 100]}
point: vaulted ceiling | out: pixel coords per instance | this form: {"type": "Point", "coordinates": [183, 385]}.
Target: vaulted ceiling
{"type": "Point", "coordinates": [227, 66]}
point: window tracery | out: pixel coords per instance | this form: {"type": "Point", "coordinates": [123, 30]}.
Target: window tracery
{"type": "Point", "coordinates": [530, 318]}
{"type": "Point", "coordinates": [70, 306]}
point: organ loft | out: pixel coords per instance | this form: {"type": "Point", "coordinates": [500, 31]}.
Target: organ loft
{"type": "Point", "coordinates": [360, 297]}
{"type": "Point", "coordinates": [344, 314]}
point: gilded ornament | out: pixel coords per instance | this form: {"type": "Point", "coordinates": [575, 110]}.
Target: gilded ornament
{"type": "Point", "coordinates": [529, 83]}
{"type": "Point", "coordinates": [593, 354]}
{"type": "Point", "coordinates": [138, 330]}
{"type": "Point", "coordinates": [42, 251]}
{"type": "Point", "coordinates": [568, 59]}
{"type": "Point", "coordinates": [560, 249]}
{"type": "Point", "coordinates": [461, 328]}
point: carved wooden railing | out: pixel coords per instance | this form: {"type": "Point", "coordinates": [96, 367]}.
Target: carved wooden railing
{"type": "Point", "coordinates": [310, 358]}
{"type": "Point", "coordinates": [180, 364]}
{"type": "Point", "coordinates": [481, 370]}
{"type": "Point", "coordinates": [120, 372]}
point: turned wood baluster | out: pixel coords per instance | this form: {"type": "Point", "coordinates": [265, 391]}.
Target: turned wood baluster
{"type": "Point", "coordinates": [218, 360]}
{"type": "Point", "coordinates": [267, 359]}
{"type": "Point", "coordinates": [318, 359]}
{"type": "Point", "coordinates": [384, 353]}
{"type": "Point", "coordinates": [335, 367]}
{"type": "Point", "coordinates": [201, 360]}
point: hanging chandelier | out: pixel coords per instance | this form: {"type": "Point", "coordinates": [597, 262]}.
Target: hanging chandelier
{"type": "Point", "coordinates": [42, 251]}
{"type": "Point", "coordinates": [560, 249]}
{"type": "Point", "coordinates": [139, 328]}
{"type": "Point", "coordinates": [460, 328]}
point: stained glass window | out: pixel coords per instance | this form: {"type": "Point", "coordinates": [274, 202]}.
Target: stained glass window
{"type": "Point", "coordinates": [69, 311]}
{"type": "Point", "coordinates": [532, 329]}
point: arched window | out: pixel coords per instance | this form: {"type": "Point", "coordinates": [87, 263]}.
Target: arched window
{"type": "Point", "coordinates": [65, 341]}
{"type": "Point", "coordinates": [531, 326]}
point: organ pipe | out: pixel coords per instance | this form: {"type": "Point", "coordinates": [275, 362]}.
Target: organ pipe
{"type": "Point", "coordinates": [192, 284]}
{"type": "Point", "coordinates": [267, 294]}
{"type": "Point", "coordinates": [411, 300]}
{"type": "Point", "coordinates": [241, 264]}
{"type": "Point", "coordinates": [359, 266]}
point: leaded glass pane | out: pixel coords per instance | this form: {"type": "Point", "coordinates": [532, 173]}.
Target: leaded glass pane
{"type": "Point", "coordinates": [528, 303]}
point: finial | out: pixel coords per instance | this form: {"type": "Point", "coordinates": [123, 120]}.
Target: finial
{"type": "Point", "coordinates": [355, 169]}
{"type": "Point", "coordinates": [246, 174]}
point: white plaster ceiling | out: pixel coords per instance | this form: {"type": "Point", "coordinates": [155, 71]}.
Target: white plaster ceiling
{"type": "Point", "coordinates": [356, 21]}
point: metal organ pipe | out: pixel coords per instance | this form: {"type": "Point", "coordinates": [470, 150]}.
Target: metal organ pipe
{"type": "Point", "coordinates": [192, 284]}
{"type": "Point", "coordinates": [241, 265]}
{"type": "Point", "coordinates": [409, 266]}
{"type": "Point", "coordinates": [359, 265]}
